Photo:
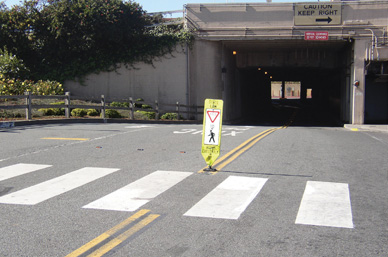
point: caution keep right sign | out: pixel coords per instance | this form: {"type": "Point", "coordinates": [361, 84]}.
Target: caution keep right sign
{"type": "Point", "coordinates": [318, 14]}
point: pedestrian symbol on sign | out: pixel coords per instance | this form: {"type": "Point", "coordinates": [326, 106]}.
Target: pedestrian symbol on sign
{"type": "Point", "coordinates": [212, 136]}
{"type": "Point", "coordinates": [212, 127]}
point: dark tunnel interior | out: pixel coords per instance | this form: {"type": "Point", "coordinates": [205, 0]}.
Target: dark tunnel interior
{"type": "Point", "coordinates": [315, 102]}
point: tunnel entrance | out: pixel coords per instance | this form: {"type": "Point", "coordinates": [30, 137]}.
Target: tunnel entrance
{"type": "Point", "coordinates": [278, 78]}
{"type": "Point", "coordinates": [314, 93]}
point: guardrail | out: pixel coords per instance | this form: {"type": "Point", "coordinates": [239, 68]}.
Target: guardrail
{"type": "Point", "coordinates": [192, 111]}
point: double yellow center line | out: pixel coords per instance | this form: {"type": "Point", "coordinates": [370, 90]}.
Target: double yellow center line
{"type": "Point", "coordinates": [239, 150]}
{"type": "Point", "coordinates": [112, 238]}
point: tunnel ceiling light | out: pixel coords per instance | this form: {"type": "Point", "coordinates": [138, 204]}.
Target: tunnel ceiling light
{"type": "Point", "coordinates": [258, 68]}
{"type": "Point", "coordinates": [266, 73]}
{"type": "Point", "coordinates": [234, 52]}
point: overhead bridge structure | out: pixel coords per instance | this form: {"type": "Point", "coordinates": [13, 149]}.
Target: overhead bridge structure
{"type": "Point", "coordinates": [327, 58]}
{"type": "Point", "coordinates": [336, 52]}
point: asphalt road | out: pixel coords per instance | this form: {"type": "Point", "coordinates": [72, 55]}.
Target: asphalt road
{"type": "Point", "coordinates": [285, 162]}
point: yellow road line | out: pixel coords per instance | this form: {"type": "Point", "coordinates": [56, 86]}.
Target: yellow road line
{"type": "Point", "coordinates": [107, 234]}
{"type": "Point", "coordinates": [237, 151]}
{"type": "Point", "coordinates": [124, 236]}
{"type": "Point", "coordinates": [66, 138]}
{"type": "Point", "coordinates": [243, 149]}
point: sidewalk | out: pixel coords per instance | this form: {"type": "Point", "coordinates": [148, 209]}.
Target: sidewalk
{"type": "Point", "coordinates": [369, 127]}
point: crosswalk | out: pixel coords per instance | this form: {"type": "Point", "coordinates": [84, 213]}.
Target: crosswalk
{"type": "Point", "coordinates": [229, 199]}
{"type": "Point", "coordinates": [322, 203]}
{"type": "Point", "coordinates": [140, 192]}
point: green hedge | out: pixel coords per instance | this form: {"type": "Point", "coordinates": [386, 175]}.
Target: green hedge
{"type": "Point", "coordinates": [112, 114]}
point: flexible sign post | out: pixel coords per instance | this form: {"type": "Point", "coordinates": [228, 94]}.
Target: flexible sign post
{"type": "Point", "coordinates": [211, 134]}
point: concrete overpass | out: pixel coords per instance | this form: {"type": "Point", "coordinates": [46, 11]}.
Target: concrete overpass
{"type": "Point", "coordinates": [337, 51]}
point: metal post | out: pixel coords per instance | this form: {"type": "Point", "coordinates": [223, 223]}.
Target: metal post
{"type": "Point", "coordinates": [157, 110]}
{"type": "Point", "coordinates": [177, 109]}
{"type": "Point", "coordinates": [67, 103]}
{"type": "Point", "coordinates": [103, 106]}
{"type": "Point", "coordinates": [132, 116]}
{"type": "Point", "coordinates": [28, 104]}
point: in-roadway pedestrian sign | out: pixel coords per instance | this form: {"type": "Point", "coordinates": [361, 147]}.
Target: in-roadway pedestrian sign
{"type": "Point", "coordinates": [212, 127]}
{"type": "Point", "coordinates": [318, 14]}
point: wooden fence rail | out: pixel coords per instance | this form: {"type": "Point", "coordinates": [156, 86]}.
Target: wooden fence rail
{"type": "Point", "coordinates": [192, 111]}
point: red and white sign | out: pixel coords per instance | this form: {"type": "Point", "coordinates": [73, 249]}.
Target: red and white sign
{"type": "Point", "coordinates": [316, 35]}
{"type": "Point", "coordinates": [213, 115]}
{"type": "Point", "coordinates": [212, 127]}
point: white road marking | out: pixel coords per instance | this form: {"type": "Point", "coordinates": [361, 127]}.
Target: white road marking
{"type": "Point", "coordinates": [140, 192]}
{"type": "Point", "coordinates": [46, 190]}
{"type": "Point", "coordinates": [19, 169]}
{"type": "Point", "coordinates": [229, 199]}
{"type": "Point", "coordinates": [139, 126]}
{"type": "Point", "coordinates": [71, 143]}
{"type": "Point", "coordinates": [326, 204]}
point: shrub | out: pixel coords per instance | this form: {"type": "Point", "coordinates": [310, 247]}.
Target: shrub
{"type": "Point", "coordinates": [78, 112]}
{"type": "Point", "coordinates": [10, 114]}
{"type": "Point", "coordinates": [47, 88]}
{"type": "Point", "coordinates": [52, 111]}
{"type": "Point", "coordinates": [9, 86]}
{"type": "Point", "coordinates": [169, 116]}
{"type": "Point", "coordinates": [120, 104]}
{"type": "Point", "coordinates": [112, 114]}
{"type": "Point", "coordinates": [146, 106]}
{"type": "Point", "coordinates": [92, 112]}
{"type": "Point", "coordinates": [147, 115]}
{"type": "Point", "coordinates": [58, 103]}
{"type": "Point", "coordinates": [138, 105]}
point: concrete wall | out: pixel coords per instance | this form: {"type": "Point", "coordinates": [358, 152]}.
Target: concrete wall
{"type": "Point", "coordinates": [165, 81]}
{"type": "Point", "coordinates": [205, 71]}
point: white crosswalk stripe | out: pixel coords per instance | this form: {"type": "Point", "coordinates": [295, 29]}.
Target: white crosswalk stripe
{"type": "Point", "coordinates": [46, 190]}
{"type": "Point", "coordinates": [322, 204]}
{"type": "Point", "coordinates": [229, 199]}
{"type": "Point", "coordinates": [326, 204]}
{"type": "Point", "coordinates": [140, 192]}
{"type": "Point", "coordinates": [19, 169]}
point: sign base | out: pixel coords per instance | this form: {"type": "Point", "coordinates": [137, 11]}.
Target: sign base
{"type": "Point", "coordinates": [209, 169]}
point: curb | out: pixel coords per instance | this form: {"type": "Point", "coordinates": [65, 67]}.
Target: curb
{"type": "Point", "coordinates": [375, 128]}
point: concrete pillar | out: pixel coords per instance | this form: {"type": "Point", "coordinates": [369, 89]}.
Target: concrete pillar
{"type": "Point", "coordinates": [358, 74]}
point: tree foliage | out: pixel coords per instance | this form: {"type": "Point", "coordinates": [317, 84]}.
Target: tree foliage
{"type": "Point", "coordinates": [67, 39]}
{"type": "Point", "coordinates": [11, 66]}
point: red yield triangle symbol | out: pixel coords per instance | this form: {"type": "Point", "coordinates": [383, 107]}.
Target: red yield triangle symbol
{"type": "Point", "coordinates": [213, 115]}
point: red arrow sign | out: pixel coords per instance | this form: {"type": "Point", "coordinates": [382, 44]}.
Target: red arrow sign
{"type": "Point", "coordinates": [213, 115]}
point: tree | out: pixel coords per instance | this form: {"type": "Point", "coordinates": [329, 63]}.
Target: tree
{"type": "Point", "coordinates": [66, 39]}
{"type": "Point", "coordinates": [11, 66]}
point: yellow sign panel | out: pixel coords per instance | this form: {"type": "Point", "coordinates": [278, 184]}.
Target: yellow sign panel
{"type": "Point", "coordinates": [318, 14]}
{"type": "Point", "coordinates": [212, 128]}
